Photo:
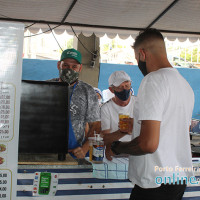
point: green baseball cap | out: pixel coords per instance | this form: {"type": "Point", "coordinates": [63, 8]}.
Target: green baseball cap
{"type": "Point", "coordinates": [71, 53]}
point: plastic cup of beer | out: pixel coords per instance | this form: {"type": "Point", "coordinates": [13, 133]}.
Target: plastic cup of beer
{"type": "Point", "coordinates": [123, 125]}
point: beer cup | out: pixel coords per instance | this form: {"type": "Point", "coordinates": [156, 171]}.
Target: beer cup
{"type": "Point", "coordinates": [123, 125]}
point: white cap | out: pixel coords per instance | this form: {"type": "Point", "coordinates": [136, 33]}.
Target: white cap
{"type": "Point", "coordinates": [118, 77]}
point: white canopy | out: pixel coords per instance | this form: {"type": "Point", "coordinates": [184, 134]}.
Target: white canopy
{"type": "Point", "coordinates": [174, 18]}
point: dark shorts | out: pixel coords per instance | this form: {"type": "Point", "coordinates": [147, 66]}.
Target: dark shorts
{"type": "Point", "coordinates": [164, 192]}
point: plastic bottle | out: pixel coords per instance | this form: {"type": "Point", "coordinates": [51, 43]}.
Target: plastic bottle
{"type": "Point", "coordinates": [98, 149]}
{"type": "Point", "coordinates": [91, 142]}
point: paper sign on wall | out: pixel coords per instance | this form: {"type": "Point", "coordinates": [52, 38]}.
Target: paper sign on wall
{"type": "Point", "coordinates": [11, 43]}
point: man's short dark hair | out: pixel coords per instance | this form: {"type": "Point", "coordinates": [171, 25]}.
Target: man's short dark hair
{"type": "Point", "coordinates": [146, 35]}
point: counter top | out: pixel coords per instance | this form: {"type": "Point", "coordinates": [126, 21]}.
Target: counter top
{"type": "Point", "coordinates": [77, 182]}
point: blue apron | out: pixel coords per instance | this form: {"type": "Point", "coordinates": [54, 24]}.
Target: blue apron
{"type": "Point", "coordinates": [72, 142]}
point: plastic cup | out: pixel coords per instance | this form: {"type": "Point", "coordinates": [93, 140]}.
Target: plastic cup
{"type": "Point", "coordinates": [123, 125]}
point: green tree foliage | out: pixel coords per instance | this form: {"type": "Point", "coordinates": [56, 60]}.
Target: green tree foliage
{"type": "Point", "coordinates": [189, 53]}
{"type": "Point", "coordinates": [105, 47]}
{"type": "Point", "coordinates": [67, 45]}
{"type": "Point", "coordinates": [70, 43]}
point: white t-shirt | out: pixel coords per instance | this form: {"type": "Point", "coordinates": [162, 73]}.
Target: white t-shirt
{"type": "Point", "coordinates": [110, 115]}
{"type": "Point", "coordinates": [164, 95]}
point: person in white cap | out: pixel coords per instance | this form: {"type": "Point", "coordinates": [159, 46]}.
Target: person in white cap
{"type": "Point", "coordinates": [122, 102]}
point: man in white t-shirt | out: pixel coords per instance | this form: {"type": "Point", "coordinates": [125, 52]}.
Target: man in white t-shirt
{"type": "Point", "coordinates": [122, 102]}
{"type": "Point", "coordinates": [160, 153]}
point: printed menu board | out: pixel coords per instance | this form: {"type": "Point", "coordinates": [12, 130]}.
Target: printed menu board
{"type": "Point", "coordinates": [11, 45]}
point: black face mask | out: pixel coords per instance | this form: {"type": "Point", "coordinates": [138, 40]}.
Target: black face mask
{"type": "Point", "coordinates": [123, 95]}
{"type": "Point", "coordinates": [142, 67]}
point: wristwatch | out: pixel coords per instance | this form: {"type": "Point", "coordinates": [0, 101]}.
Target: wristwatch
{"type": "Point", "coordinates": [114, 147]}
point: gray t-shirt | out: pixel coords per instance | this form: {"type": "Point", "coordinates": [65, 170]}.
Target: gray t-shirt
{"type": "Point", "coordinates": [84, 107]}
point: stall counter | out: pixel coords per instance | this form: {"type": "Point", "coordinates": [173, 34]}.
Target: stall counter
{"type": "Point", "coordinates": [77, 181]}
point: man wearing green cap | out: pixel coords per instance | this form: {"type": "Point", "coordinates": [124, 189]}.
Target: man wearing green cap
{"type": "Point", "coordinates": [84, 106]}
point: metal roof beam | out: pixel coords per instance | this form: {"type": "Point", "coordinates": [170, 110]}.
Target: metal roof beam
{"type": "Point", "coordinates": [69, 10]}
{"type": "Point", "coordinates": [161, 14]}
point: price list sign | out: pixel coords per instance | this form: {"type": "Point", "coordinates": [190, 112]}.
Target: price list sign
{"type": "Point", "coordinates": [7, 99]}
{"type": "Point", "coordinates": [11, 42]}
{"type": "Point", "coordinates": [5, 181]}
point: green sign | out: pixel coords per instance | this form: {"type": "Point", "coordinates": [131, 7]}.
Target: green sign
{"type": "Point", "coordinates": [45, 182]}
